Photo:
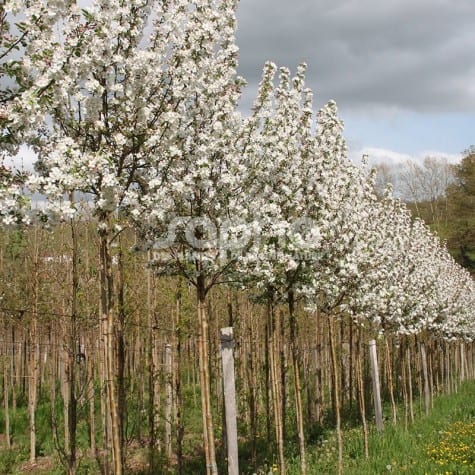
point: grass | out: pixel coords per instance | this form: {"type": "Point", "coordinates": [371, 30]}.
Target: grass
{"type": "Point", "coordinates": [441, 444]}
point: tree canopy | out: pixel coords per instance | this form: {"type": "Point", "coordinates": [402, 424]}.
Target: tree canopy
{"type": "Point", "coordinates": [461, 201]}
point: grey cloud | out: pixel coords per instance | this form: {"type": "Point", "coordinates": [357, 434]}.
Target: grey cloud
{"type": "Point", "coordinates": [408, 54]}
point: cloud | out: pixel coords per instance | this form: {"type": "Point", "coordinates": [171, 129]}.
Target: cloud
{"type": "Point", "coordinates": [377, 156]}
{"type": "Point", "coordinates": [408, 54]}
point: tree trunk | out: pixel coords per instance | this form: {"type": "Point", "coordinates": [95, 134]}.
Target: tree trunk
{"type": "Point", "coordinates": [6, 409]}
{"type": "Point", "coordinates": [91, 398]}
{"type": "Point", "coordinates": [409, 382]}
{"type": "Point", "coordinates": [361, 395]}
{"type": "Point", "coordinates": [336, 395]}
{"type": "Point", "coordinates": [297, 388]}
{"type": "Point", "coordinates": [178, 400]}
{"type": "Point", "coordinates": [34, 356]}
{"type": "Point", "coordinates": [71, 354]}
{"type": "Point", "coordinates": [120, 355]}
{"type": "Point", "coordinates": [152, 373]}
{"type": "Point", "coordinates": [205, 381]}
{"type": "Point", "coordinates": [107, 315]}
{"type": "Point", "coordinates": [275, 380]}
{"type": "Point", "coordinates": [389, 370]}
{"type": "Point", "coordinates": [168, 403]}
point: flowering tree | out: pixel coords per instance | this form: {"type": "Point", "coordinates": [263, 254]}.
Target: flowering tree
{"type": "Point", "coordinates": [280, 140]}
{"type": "Point", "coordinates": [454, 295]}
{"type": "Point", "coordinates": [11, 201]}
{"type": "Point", "coordinates": [133, 105]}
{"type": "Point", "coordinates": [306, 197]}
{"type": "Point", "coordinates": [117, 89]}
{"type": "Point", "coordinates": [356, 254]}
{"type": "Point", "coordinates": [193, 214]}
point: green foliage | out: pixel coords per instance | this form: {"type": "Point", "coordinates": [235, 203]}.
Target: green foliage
{"type": "Point", "coordinates": [452, 215]}
{"type": "Point", "coordinates": [16, 244]}
{"type": "Point", "coordinates": [455, 446]}
{"type": "Point", "coordinates": [397, 450]}
{"type": "Point", "coordinates": [461, 201]}
{"type": "Point", "coordinates": [405, 451]}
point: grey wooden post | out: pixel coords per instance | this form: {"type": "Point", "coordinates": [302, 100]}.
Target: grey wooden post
{"type": "Point", "coordinates": [462, 361]}
{"type": "Point", "coordinates": [229, 399]}
{"type": "Point", "coordinates": [378, 411]}
{"type": "Point", "coordinates": [425, 374]}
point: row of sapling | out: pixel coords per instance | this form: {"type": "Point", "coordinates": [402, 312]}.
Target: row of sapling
{"type": "Point", "coordinates": [340, 248]}
{"type": "Point", "coordinates": [125, 110]}
{"type": "Point", "coordinates": [134, 105]}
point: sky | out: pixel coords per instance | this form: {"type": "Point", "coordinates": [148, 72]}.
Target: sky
{"type": "Point", "coordinates": [401, 71]}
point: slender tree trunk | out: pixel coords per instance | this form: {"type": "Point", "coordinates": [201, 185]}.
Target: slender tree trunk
{"type": "Point", "coordinates": [361, 395]}
{"type": "Point", "coordinates": [6, 376]}
{"type": "Point", "coordinates": [409, 382]}
{"type": "Point", "coordinates": [205, 381]}
{"type": "Point", "coordinates": [71, 354]}
{"type": "Point", "coordinates": [34, 356]}
{"type": "Point", "coordinates": [281, 347]}
{"type": "Point", "coordinates": [178, 400]}
{"type": "Point", "coordinates": [152, 374]}
{"type": "Point", "coordinates": [252, 387]}
{"type": "Point", "coordinates": [336, 394]}
{"type": "Point", "coordinates": [389, 370]}
{"type": "Point", "coordinates": [318, 387]}
{"type": "Point", "coordinates": [351, 364]}
{"type": "Point", "coordinates": [120, 355]}
{"type": "Point", "coordinates": [404, 384]}
{"type": "Point", "coordinates": [229, 392]}
{"type": "Point", "coordinates": [6, 408]}
{"type": "Point", "coordinates": [15, 368]}
{"type": "Point", "coordinates": [107, 315]}
{"type": "Point", "coordinates": [168, 403]}
{"type": "Point", "coordinates": [268, 377]}
{"type": "Point", "coordinates": [275, 380]}
{"type": "Point", "coordinates": [297, 388]}
{"type": "Point", "coordinates": [91, 396]}
{"type": "Point", "coordinates": [462, 362]}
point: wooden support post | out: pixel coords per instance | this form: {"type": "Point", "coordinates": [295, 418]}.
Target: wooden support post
{"type": "Point", "coordinates": [425, 374]}
{"type": "Point", "coordinates": [230, 399]}
{"type": "Point", "coordinates": [376, 388]}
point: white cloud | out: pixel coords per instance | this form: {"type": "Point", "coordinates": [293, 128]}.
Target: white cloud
{"type": "Point", "coordinates": [378, 156]}
{"type": "Point", "coordinates": [410, 54]}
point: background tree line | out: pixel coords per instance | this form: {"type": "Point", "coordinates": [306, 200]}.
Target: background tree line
{"type": "Point", "coordinates": [441, 194]}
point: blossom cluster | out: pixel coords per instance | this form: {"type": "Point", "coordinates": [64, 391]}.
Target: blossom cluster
{"type": "Point", "coordinates": [357, 253]}
{"type": "Point", "coordinates": [12, 202]}
{"type": "Point", "coordinates": [135, 105]}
